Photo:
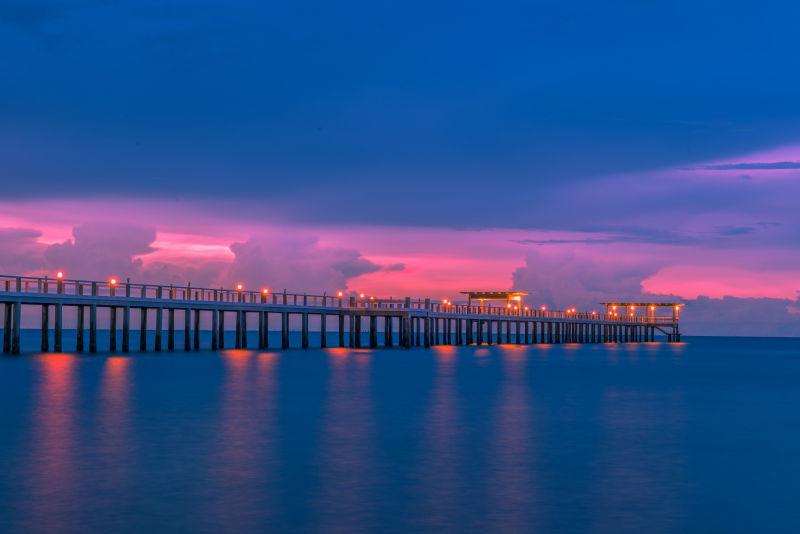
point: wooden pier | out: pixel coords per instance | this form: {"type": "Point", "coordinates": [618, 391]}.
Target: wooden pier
{"type": "Point", "coordinates": [404, 322]}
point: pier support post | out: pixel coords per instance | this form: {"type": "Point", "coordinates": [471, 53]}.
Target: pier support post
{"type": "Point", "coordinates": [197, 329]}
{"type": "Point", "coordinates": [358, 331]}
{"type": "Point", "coordinates": [323, 330]}
{"type": "Point", "coordinates": [79, 329]}
{"type": "Point", "coordinates": [427, 332]}
{"type": "Point", "coordinates": [260, 316]}
{"type": "Point", "coordinates": [304, 330]}
{"type": "Point", "coordinates": [58, 330]}
{"type": "Point", "coordinates": [187, 329]}
{"type": "Point", "coordinates": [351, 331]}
{"type": "Point", "coordinates": [126, 328]}
{"type": "Point", "coordinates": [221, 332]}
{"type": "Point", "coordinates": [112, 329]}
{"type": "Point", "coordinates": [45, 328]}
{"type": "Point", "coordinates": [489, 333]}
{"type": "Point", "coordinates": [93, 328]}
{"type": "Point", "coordinates": [244, 329]}
{"type": "Point", "coordinates": [7, 327]}
{"type": "Point", "coordinates": [387, 331]}
{"type": "Point", "coordinates": [340, 325]}
{"type": "Point", "coordinates": [401, 332]}
{"type": "Point", "coordinates": [284, 330]}
{"type": "Point", "coordinates": [214, 329]}
{"type": "Point", "coordinates": [373, 331]}
{"type": "Point", "coordinates": [15, 328]}
{"type": "Point", "coordinates": [266, 329]}
{"type": "Point", "coordinates": [143, 329]}
{"type": "Point", "coordinates": [238, 342]}
{"type": "Point", "coordinates": [159, 322]}
{"type": "Point", "coordinates": [170, 329]}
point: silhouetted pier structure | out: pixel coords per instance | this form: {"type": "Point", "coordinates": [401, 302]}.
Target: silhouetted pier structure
{"type": "Point", "coordinates": [406, 322]}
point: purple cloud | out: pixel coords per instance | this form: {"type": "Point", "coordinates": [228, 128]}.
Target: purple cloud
{"type": "Point", "coordinates": [563, 279]}
{"type": "Point", "coordinates": [100, 250]}
{"type": "Point", "coordinates": [22, 252]}
{"type": "Point", "coordinates": [296, 263]}
{"type": "Point", "coordinates": [755, 166]}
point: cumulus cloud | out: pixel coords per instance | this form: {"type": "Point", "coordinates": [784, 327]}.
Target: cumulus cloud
{"type": "Point", "coordinates": [22, 252]}
{"type": "Point", "coordinates": [99, 250]}
{"type": "Point", "coordinates": [296, 263]}
{"type": "Point", "coordinates": [743, 317]}
{"type": "Point", "coordinates": [566, 279]}
{"type": "Point", "coordinates": [561, 279]}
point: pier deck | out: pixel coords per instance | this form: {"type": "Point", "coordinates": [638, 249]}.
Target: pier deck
{"type": "Point", "coordinates": [404, 322]}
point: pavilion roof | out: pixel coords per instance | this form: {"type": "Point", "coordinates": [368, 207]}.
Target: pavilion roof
{"type": "Point", "coordinates": [494, 295]}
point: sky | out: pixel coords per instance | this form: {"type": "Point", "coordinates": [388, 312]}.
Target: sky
{"type": "Point", "coordinates": [580, 151]}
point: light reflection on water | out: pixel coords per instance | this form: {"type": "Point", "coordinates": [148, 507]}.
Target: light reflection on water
{"type": "Point", "coordinates": [550, 438]}
{"type": "Point", "coordinates": [50, 470]}
{"type": "Point", "coordinates": [347, 463]}
{"type": "Point", "coordinates": [438, 483]}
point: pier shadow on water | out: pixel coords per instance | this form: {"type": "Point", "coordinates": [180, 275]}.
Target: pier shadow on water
{"type": "Point", "coordinates": [698, 436]}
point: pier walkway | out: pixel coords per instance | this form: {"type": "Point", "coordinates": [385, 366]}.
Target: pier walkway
{"type": "Point", "coordinates": [404, 322]}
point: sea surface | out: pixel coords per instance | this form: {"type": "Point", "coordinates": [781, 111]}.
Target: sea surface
{"type": "Point", "coordinates": [702, 436]}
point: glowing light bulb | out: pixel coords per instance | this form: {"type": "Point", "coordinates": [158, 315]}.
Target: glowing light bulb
{"type": "Point", "coordinates": [340, 293]}
{"type": "Point", "coordinates": [59, 275]}
{"type": "Point", "coordinates": [113, 281]}
{"type": "Point", "coordinates": [265, 291]}
{"type": "Point", "coordinates": [362, 295]}
{"type": "Point", "coordinates": [239, 287]}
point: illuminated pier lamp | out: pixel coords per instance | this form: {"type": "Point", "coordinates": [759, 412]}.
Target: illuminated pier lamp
{"type": "Point", "coordinates": [60, 275]}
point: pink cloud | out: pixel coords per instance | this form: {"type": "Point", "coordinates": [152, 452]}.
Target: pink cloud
{"type": "Point", "coordinates": [296, 263]}
{"type": "Point", "coordinates": [715, 252]}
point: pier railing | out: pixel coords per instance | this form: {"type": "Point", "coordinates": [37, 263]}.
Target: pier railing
{"type": "Point", "coordinates": [126, 289]}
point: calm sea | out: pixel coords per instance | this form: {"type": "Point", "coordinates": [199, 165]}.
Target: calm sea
{"type": "Point", "coordinates": [698, 437]}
